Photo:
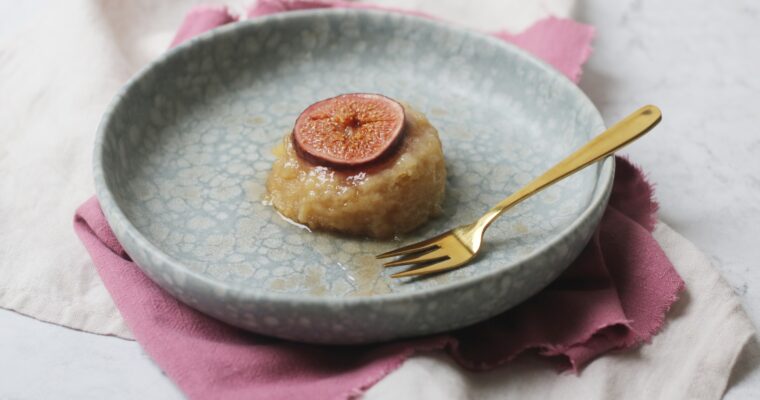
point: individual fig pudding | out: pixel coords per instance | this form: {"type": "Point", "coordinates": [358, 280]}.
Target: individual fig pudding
{"type": "Point", "coordinates": [360, 164]}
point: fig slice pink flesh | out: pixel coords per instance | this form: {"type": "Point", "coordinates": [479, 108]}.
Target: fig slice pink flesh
{"type": "Point", "coordinates": [349, 130]}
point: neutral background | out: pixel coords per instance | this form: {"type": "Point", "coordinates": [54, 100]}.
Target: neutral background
{"type": "Point", "coordinates": [698, 60]}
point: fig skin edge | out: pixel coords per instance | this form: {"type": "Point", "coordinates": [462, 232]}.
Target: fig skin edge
{"type": "Point", "coordinates": [381, 153]}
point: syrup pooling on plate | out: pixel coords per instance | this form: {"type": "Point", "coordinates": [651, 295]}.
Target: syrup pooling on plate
{"type": "Point", "coordinates": [345, 266]}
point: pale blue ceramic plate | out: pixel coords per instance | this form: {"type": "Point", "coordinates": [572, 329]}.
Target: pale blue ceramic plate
{"type": "Point", "coordinates": [183, 153]}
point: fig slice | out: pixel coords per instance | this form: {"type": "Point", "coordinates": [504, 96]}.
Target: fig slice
{"type": "Point", "coordinates": [349, 130]}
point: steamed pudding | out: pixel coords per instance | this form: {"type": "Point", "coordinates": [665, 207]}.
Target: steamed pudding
{"type": "Point", "coordinates": [359, 164]}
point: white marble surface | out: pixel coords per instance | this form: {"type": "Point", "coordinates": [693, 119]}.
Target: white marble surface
{"type": "Point", "coordinates": [697, 60]}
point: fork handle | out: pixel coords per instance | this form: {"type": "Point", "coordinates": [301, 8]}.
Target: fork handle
{"type": "Point", "coordinates": [627, 130]}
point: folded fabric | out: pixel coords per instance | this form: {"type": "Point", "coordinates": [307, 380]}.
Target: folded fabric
{"type": "Point", "coordinates": [614, 296]}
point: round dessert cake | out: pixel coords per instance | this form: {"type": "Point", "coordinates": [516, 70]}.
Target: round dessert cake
{"type": "Point", "coordinates": [359, 164]}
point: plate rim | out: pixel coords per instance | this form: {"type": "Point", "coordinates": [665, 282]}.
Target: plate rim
{"type": "Point", "coordinates": [603, 184]}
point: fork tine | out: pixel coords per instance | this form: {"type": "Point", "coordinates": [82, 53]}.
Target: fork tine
{"type": "Point", "coordinates": [441, 266]}
{"type": "Point", "coordinates": [412, 248]}
{"type": "Point", "coordinates": [438, 254]}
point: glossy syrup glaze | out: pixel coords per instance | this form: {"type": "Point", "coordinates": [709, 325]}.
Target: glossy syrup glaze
{"type": "Point", "coordinates": [395, 196]}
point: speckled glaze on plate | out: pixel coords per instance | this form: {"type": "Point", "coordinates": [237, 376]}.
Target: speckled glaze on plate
{"type": "Point", "coordinates": [183, 153]}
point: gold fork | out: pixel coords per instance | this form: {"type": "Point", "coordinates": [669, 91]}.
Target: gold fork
{"type": "Point", "coordinates": [457, 247]}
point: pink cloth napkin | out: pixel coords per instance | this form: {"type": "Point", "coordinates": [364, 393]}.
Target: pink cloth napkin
{"type": "Point", "coordinates": [614, 296]}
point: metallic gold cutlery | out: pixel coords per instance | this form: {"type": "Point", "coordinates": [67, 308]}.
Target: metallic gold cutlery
{"type": "Point", "coordinates": [457, 247]}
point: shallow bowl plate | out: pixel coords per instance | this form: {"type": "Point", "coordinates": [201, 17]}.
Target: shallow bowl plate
{"type": "Point", "coordinates": [183, 153]}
